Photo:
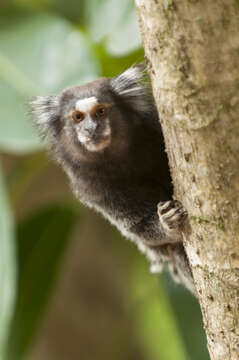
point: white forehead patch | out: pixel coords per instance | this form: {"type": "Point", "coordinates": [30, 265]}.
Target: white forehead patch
{"type": "Point", "coordinates": [87, 104]}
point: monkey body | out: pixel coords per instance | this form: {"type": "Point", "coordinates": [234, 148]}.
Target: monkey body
{"type": "Point", "coordinates": [107, 137]}
{"type": "Point", "coordinates": [125, 188]}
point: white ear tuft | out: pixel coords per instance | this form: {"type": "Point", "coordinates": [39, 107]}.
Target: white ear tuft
{"type": "Point", "coordinates": [45, 111]}
{"type": "Point", "coordinates": [133, 86]}
{"type": "Point", "coordinates": [44, 108]}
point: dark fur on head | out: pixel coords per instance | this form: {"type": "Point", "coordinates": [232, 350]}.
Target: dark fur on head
{"type": "Point", "coordinates": [126, 178]}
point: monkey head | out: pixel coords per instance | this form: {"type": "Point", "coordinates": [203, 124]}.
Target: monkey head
{"type": "Point", "coordinates": [96, 119]}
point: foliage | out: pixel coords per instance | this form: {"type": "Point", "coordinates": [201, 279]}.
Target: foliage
{"type": "Point", "coordinates": [46, 45]}
{"type": "Point", "coordinates": [7, 266]}
{"type": "Point", "coordinates": [38, 262]}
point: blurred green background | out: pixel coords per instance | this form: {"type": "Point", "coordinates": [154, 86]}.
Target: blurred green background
{"type": "Point", "coordinates": [71, 287]}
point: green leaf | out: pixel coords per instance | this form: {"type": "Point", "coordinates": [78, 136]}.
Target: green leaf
{"type": "Point", "coordinates": [7, 267]}
{"type": "Point", "coordinates": [42, 242]}
{"type": "Point", "coordinates": [115, 23]}
{"type": "Point", "coordinates": [38, 55]}
{"type": "Point", "coordinates": [157, 324]}
{"type": "Point", "coordinates": [126, 37]}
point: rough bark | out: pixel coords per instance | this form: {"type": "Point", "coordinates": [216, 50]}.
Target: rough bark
{"type": "Point", "coordinates": [192, 50]}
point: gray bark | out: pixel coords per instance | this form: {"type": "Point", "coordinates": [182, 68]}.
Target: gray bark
{"type": "Point", "coordinates": [192, 51]}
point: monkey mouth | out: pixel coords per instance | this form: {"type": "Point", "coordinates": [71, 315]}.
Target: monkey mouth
{"type": "Point", "coordinates": [97, 144]}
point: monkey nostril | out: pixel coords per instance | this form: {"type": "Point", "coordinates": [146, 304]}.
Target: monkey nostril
{"type": "Point", "coordinates": [91, 128]}
{"type": "Point", "coordinates": [89, 131]}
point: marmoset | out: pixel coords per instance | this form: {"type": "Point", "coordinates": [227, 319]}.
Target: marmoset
{"type": "Point", "coordinates": [107, 136]}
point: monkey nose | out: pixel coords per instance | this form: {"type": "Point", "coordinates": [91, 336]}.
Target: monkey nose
{"type": "Point", "coordinates": [90, 129]}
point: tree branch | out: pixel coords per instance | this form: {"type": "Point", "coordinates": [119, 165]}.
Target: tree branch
{"type": "Point", "coordinates": [192, 50]}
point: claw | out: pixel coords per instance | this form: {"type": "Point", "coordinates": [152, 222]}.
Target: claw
{"type": "Point", "coordinates": [171, 214]}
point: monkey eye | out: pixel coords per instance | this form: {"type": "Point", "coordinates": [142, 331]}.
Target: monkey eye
{"type": "Point", "coordinates": [77, 116]}
{"type": "Point", "coordinates": [100, 112]}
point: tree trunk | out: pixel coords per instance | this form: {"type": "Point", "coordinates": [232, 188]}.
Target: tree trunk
{"type": "Point", "coordinates": [192, 51]}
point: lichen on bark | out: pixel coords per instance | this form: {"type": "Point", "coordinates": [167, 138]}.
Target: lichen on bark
{"type": "Point", "coordinates": [192, 50]}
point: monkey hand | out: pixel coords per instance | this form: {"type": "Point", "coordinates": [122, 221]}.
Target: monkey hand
{"type": "Point", "coordinates": [172, 216]}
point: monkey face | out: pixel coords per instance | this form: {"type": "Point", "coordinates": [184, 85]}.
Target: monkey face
{"type": "Point", "coordinates": [91, 123]}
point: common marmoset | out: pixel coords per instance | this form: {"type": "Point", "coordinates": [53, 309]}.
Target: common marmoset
{"type": "Point", "coordinates": [107, 136]}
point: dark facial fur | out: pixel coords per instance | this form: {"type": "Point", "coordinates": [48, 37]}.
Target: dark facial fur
{"type": "Point", "coordinates": [107, 137]}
